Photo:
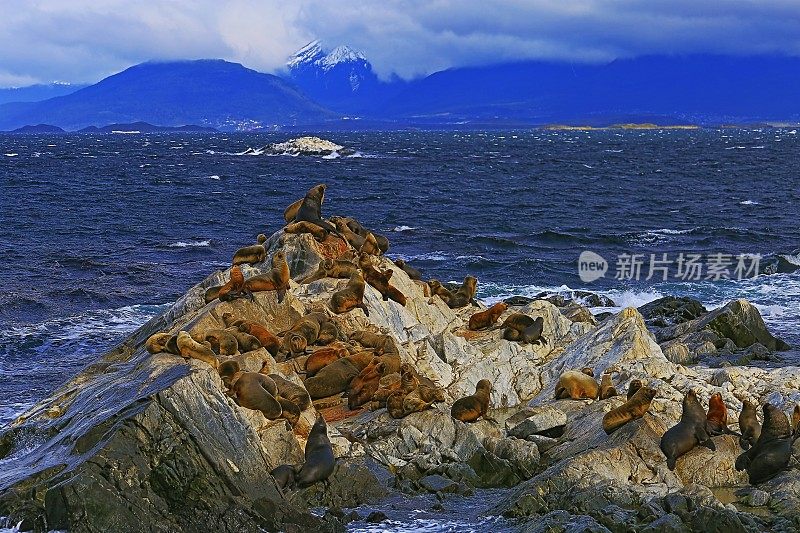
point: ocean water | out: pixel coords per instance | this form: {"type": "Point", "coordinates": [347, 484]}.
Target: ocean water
{"type": "Point", "coordinates": [100, 232]}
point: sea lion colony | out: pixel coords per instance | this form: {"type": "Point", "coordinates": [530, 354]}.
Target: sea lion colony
{"type": "Point", "coordinates": [366, 365]}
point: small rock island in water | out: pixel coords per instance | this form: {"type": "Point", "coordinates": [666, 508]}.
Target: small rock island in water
{"type": "Point", "coordinates": [311, 146]}
{"type": "Point", "coordinates": [316, 372]}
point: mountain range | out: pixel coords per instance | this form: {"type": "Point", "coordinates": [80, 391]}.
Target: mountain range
{"type": "Point", "coordinates": [337, 88]}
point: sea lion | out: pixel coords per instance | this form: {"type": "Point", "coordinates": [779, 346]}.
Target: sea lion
{"type": "Point", "coordinates": [276, 279]}
{"type": "Point", "coordinates": [355, 225]}
{"type": "Point", "coordinates": [251, 254]}
{"type": "Point", "coordinates": [408, 383]}
{"type": "Point", "coordinates": [352, 238]}
{"type": "Point", "coordinates": [363, 386]}
{"type": "Point", "coordinates": [471, 408]}
{"type": "Point", "coordinates": [284, 476]}
{"type": "Point", "coordinates": [422, 398]}
{"type": "Point", "coordinates": [289, 410]}
{"type": "Point", "coordinates": [370, 245]}
{"type": "Point", "coordinates": [351, 297]}
{"type": "Point", "coordinates": [387, 385]}
{"type": "Point", "coordinates": [412, 272]}
{"type": "Point", "coordinates": [212, 293]}
{"type": "Point", "coordinates": [717, 417]}
{"type": "Point", "coordinates": [487, 318]}
{"type": "Point", "coordinates": [633, 386]}
{"type": "Point", "coordinates": [380, 281]}
{"type": "Point", "coordinates": [319, 233]}
{"type": "Point", "coordinates": [749, 426]}
{"type": "Point", "coordinates": [771, 453]}
{"type": "Point", "coordinates": [577, 385]}
{"type": "Point", "coordinates": [329, 332]}
{"type": "Point", "coordinates": [160, 342]}
{"type": "Point", "coordinates": [223, 342]}
{"type": "Point", "coordinates": [290, 390]}
{"type": "Point", "coordinates": [688, 432]}
{"type": "Point", "coordinates": [246, 342]}
{"type": "Point", "coordinates": [310, 209]}
{"type": "Point", "coordinates": [235, 287]}
{"type": "Point", "coordinates": [303, 333]}
{"type": "Point", "coordinates": [382, 344]}
{"type": "Point", "coordinates": [323, 357]}
{"type": "Point", "coordinates": [332, 378]}
{"type": "Point", "coordinates": [607, 389]}
{"type": "Point", "coordinates": [332, 268]}
{"type": "Point", "coordinates": [530, 335]}
{"type": "Point", "coordinates": [251, 389]}
{"type": "Point", "coordinates": [319, 461]}
{"type": "Point", "coordinates": [190, 348]}
{"type": "Point", "coordinates": [516, 321]}
{"type": "Point", "coordinates": [634, 408]}
{"type": "Point", "coordinates": [465, 294]}
{"type": "Point", "coordinates": [259, 331]}
{"type": "Point", "coordinates": [437, 289]}
{"type": "Point", "coordinates": [290, 212]}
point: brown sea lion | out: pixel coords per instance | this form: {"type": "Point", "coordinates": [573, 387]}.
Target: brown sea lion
{"type": "Point", "coordinates": [329, 332]}
{"type": "Point", "coordinates": [530, 335]}
{"type": "Point", "coordinates": [284, 476]}
{"type": "Point", "coordinates": [310, 209]}
{"type": "Point", "coordinates": [353, 239]}
{"type": "Point", "coordinates": [319, 233]}
{"type": "Point", "coordinates": [332, 268]}
{"type": "Point", "coordinates": [323, 357]}
{"type": "Point", "coordinates": [251, 389]}
{"type": "Point", "coordinates": [688, 433]}
{"type": "Point", "coordinates": [246, 342]}
{"type": "Point", "coordinates": [422, 398]}
{"type": "Point", "coordinates": [634, 408]}
{"type": "Point", "coordinates": [387, 385]}
{"type": "Point", "coordinates": [749, 426]}
{"type": "Point", "coordinates": [607, 389]}
{"type": "Point", "coordinates": [633, 386]}
{"type": "Point", "coordinates": [290, 390]}
{"type": "Point", "coordinates": [251, 254]}
{"type": "Point", "coordinates": [276, 279]}
{"type": "Point", "coordinates": [332, 378]}
{"type": "Point", "coordinates": [516, 321]}
{"type": "Point", "coordinates": [465, 294]}
{"type": "Point", "coordinates": [158, 342]}
{"type": "Point", "coordinates": [471, 408]}
{"type": "Point", "coordinates": [319, 460]}
{"type": "Point", "coordinates": [437, 289]}
{"type": "Point", "coordinates": [771, 453]}
{"type": "Point", "coordinates": [412, 272]}
{"type": "Point", "coordinates": [717, 416]}
{"type": "Point", "coordinates": [259, 331]}
{"type": "Point", "coordinates": [291, 212]}
{"type": "Point", "coordinates": [577, 386]}
{"type": "Point", "coordinates": [380, 281]}
{"type": "Point", "coordinates": [190, 348]}
{"type": "Point", "coordinates": [212, 293]}
{"type": "Point", "coordinates": [223, 342]}
{"type": "Point", "coordinates": [370, 245]}
{"type": "Point", "coordinates": [365, 384]}
{"type": "Point", "coordinates": [408, 383]}
{"type": "Point", "coordinates": [355, 225]}
{"type": "Point", "coordinates": [235, 287]}
{"type": "Point", "coordinates": [351, 297]}
{"type": "Point", "coordinates": [487, 318]}
{"type": "Point", "coordinates": [382, 344]}
{"type": "Point", "coordinates": [303, 333]}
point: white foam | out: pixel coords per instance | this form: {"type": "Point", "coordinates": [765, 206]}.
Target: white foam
{"type": "Point", "coordinates": [793, 259]}
{"type": "Point", "coordinates": [190, 244]}
{"type": "Point", "coordinates": [749, 202]}
{"type": "Point", "coordinates": [438, 255]}
{"type": "Point", "coordinates": [12, 155]}
{"type": "Point", "coordinates": [214, 177]}
{"type": "Point", "coordinates": [332, 155]}
{"type": "Point", "coordinates": [403, 228]}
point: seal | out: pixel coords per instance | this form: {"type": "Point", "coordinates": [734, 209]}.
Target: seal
{"type": "Point", "coordinates": [771, 453]}
{"type": "Point", "coordinates": [607, 389]}
{"type": "Point", "coordinates": [319, 233]}
{"type": "Point", "coordinates": [157, 343]}
{"type": "Point", "coordinates": [465, 294]}
{"type": "Point", "coordinates": [222, 341]}
{"type": "Point", "coordinates": [332, 378]}
{"type": "Point", "coordinates": [251, 254]}
{"type": "Point", "coordinates": [516, 321]}
{"type": "Point", "coordinates": [530, 335]}
{"type": "Point", "coordinates": [796, 421]}
{"type": "Point", "coordinates": [437, 289]}
{"type": "Point", "coordinates": [370, 245]}
{"type": "Point", "coordinates": [634, 385]}
{"type": "Point", "coordinates": [284, 476]}
{"type": "Point", "coordinates": [234, 288]}
{"type": "Point", "coordinates": [422, 398]}
{"type": "Point", "coordinates": [319, 461]}
{"type": "Point", "coordinates": [353, 239]}
{"type": "Point", "coordinates": [749, 426]}
{"type": "Point", "coordinates": [246, 342]}
{"type": "Point", "coordinates": [192, 349]}
{"type": "Point", "coordinates": [471, 408]}
{"type": "Point", "coordinates": [688, 433]}
{"type": "Point", "coordinates": [323, 357]}
{"type": "Point", "coordinates": [303, 333]}
{"type": "Point", "coordinates": [290, 212]}
{"type": "Point", "coordinates": [259, 331]}
{"type": "Point", "coordinates": [297, 394]}
{"type": "Point", "coordinates": [351, 297]}
{"type": "Point", "coordinates": [251, 390]}
{"type": "Point", "coordinates": [412, 272]}
{"type": "Point", "coordinates": [310, 209]}
{"type": "Point", "coordinates": [717, 416]}
{"type": "Point", "coordinates": [382, 344]}
{"type": "Point", "coordinates": [380, 281]}
{"type": "Point", "coordinates": [362, 387]}
{"type": "Point", "coordinates": [408, 383]}
{"type": "Point", "coordinates": [276, 279]}
{"type": "Point", "coordinates": [212, 293]}
{"type": "Point", "coordinates": [355, 225]}
{"type": "Point", "coordinates": [329, 332]}
{"type": "Point", "coordinates": [634, 408]}
{"type": "Point", "coordinates": [486, 319]}
{"type": "Point", "coordinates": [577, 385]}
{"type": "Point", "coordinates": [332, 268]}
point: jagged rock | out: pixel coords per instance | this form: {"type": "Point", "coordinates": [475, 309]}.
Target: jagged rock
{"type": "Point", "coordinates": [536, 420]}
{"type": "Point", "coordinates": [592, 299]}
{"type": "Point", "coordinates": [562, 521]}
{"type": "Point", "coordinates": [354, 482]}
{"type": "Point", "coordinates": [437, 483]}
{"type": "Point", "coordinates": [671, 310]}
{"type": "Point", "coordinates": [669, 523]}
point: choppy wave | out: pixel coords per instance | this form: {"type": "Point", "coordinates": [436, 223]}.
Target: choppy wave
{"type": "Point", "coordinates": [190, 244]}
{"type": "Point", "coordinates": [749, 202]}
{"type": "Point", "coordinates": [403, 228]}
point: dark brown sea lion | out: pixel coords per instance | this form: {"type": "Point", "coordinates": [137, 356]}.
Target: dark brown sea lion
{"type": "Point", "coordinates": [284, 476]}
{"type": "Point", "coordinates": [633, 386]}
{"type": "Point", "coordinates": [487, 318]}
{"type": "Point", "coordinates": [329, 332]}
{"type": "Point", "coordinates": [380, 281]}
{"type": "Point", "coordinates": [634, 408]}
{"type": "Point", "coordinates": [412, 272]}
{"type": "Point", "coordinates": [319, 460]}
{"type": "Point", "coordinates": [365, 384]}
{"type": "Point", "coordinates": [577, 386]}
{"type": "Point", "coordinates": [530, 335]}
{"type": "Point", "coordinates": [251, 389]}
{"type": "Point", "coordinates": [688, 433]}
{"type": "Point", "coordinates": [276, 279]}
{"type": "Point", "coordinates": [370, 245]}
{"type": "Point", "coordinates": [259, 331]}
{"type": "Point", "coordinates": [516, 321]}
{"type": "Point", "coordinates": [607, 389]}
{"type": "Point", "coordinates": [319, 233]}
{"type": "Point", "coordinates": [355, 225]}
{"type": "Point", "coordinates": [332, 378]}
{"type": "Point", "coordinates": [353, 239]}
{"type": "Point", "coordinates": [247, 342]}
{"type": "Point", "coordinates": [422, 398]}
{"type": "Point", "coordinates": [351, 297]}
{"type": "Point", "coordinates": [408, 383]}
{"type": "Point", "coordinates": [291, 391]}
{"type": "Point", "coordinates": [323, 357]}
{"type": "Point", "coordinates": [717, 416]}
{"type": "Point", "coordinates": [382, 344]}
{"type": "Point", "coordinates": [212, 293]}
{"type": "Point", "coordinates": [796, 421]}
{"type": "Point", "coordinates": [310, 209]}
{"type": "Point", "coordinates": [332, 268]}
{"type": "Point", "coordinates": [251, 254]}
{"type": "Point", "coordinates": [303, 333]}
{"type": "Point", "coordinates": [772, 451]}
{"type": "Point", "coordinates": [387, 385]}
{"type": "Point", "coordinates": [465, 294]}
{"type": "Point", "coordinates": [190, 348]}
{"type": "Point", "coordinates": [749, 426]}
{"type": "Point", "coordinates": [471, 408]}
{"type": "Point", "coordinates": [437, 289]}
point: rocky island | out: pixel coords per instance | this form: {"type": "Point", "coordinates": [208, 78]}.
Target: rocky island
{"type": "Point", "coordinates": [153, 441]}
{"type": "Point", "coordinates": [308, 146]}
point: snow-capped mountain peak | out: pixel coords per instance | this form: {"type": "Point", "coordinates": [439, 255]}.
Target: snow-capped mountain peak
{"type": "Point", "coordinates": [309, 54]}
{"type": "Point", "coordinates": [313, 54]}
{"type": "Point", "coordinates": [340, 54]}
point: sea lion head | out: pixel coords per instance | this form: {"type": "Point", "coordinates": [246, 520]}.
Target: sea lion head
{"type": "Point", "coordinates": [500, 307]}
{"type": "Point", "coordinates": [471, 282]}
{"type": "Point", "coordinates": [400, 263]}
{"type": "Point", "coordinates": [227, 370]}
{"type": "Point", "coordinates": [646, 393]}
{"type": "Point", "coordinates": [327, 264]}
{"type": "Point", "coordinates": [484, 386]}
{"type": "Point", "coordinates": [589, 371]}
{"type": "Point", "coordinates": [236, 274]}
{"type": "Point", "coordinates": [776, 423]}
{"type": "Point", "coordinates": [261, 239]}
{"type": "Point", "coordinates": [297, 343]}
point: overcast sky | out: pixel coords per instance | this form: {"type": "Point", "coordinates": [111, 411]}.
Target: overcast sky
{"type": "Point", "coordinates": [86, 40]}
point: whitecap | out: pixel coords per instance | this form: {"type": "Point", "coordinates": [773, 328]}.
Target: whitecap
{"type": "Point", "coordinates": [587, 166]}
{"type": "Point", "coordinates": [332, 155]}
{"type": "Point", "coordinates": [749, 202]}
{"type": "Point", "coordinates": [427, 256]}
{"type": "Point", "coordinates": [12, 155]}
{"type": "Point", "coordinates": [403, 228]}
{"type": "Point", "coordinates": [214, 177]}
{"type": "Point", "coordinates": [793, 259]}
{"type": "Point", "coordinates": [190, 244]}
{"type": "Point", "coordinates": [629, 298]}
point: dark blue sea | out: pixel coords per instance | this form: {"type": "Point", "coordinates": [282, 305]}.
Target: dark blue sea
{"type": "Point", "coordinates": [100, 232]}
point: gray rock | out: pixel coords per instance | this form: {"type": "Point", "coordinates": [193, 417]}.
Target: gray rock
{"type": "Point", "coordinates": [669, 523]}
{"type": "Point", "coordinates": [540, 420]}
{"type": "Point", "coordinates": [438, 483]}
